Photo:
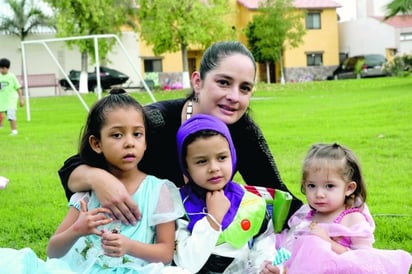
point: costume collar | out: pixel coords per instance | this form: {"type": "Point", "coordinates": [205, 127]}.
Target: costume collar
{"type": "Point", "coordinates": [194, 201]}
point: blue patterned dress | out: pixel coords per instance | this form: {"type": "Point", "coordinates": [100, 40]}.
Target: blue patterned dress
{"type": "Point", "coordinates": [158, 201]}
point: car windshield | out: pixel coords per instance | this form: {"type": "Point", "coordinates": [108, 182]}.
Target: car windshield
{"type": "Point", "coordinates": [374, 59]}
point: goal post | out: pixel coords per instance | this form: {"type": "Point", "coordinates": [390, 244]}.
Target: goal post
{"type": "Point", "coordinates": [45, 42]}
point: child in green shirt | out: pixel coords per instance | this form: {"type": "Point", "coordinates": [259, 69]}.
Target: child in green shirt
{"type": "Point", "coordinates": [10, 92]}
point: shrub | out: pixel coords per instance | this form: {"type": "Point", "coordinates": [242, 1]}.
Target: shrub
{"type": "Point", "coordinates": [359, 67]}
{"type": "Point", "coordinates": [400, 65]}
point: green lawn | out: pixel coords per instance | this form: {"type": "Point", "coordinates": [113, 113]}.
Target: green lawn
{"type": "Point", "coordinates": [371, 116]}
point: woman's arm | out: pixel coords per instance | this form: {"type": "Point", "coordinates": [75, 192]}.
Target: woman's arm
{"type": "Point", "coordinates": [64, 172]}
{"type": "Point", "coordinates": [109, 190]}
{"type": "Point", "coordinates": [77, 176]}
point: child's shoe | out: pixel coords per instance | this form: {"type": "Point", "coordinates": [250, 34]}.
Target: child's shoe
{"type": "Point", "coordinates": [14, 132]}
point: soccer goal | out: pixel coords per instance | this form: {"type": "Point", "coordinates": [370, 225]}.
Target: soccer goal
{"type": "Point", "coordinates": [95, 38]}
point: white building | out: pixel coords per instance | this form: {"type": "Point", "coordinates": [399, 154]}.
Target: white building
{"type": "Point", "coordinates": [362, 29]}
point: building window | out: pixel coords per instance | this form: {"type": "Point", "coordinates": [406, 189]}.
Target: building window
{"type": "Point", "coordinates": [406, 36]}
{"type": "Point", "coordinates": [313, 20]}
{"type": "Point", "coordinates": [314, 59]}
{"type": "Point", "coordinates": [153, 65]}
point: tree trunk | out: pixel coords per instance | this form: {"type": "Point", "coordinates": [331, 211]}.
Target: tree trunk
{"type": "Point", "coordinates": [282, 75]}
{"type": "Point", "coordinates": [185, 74]}
{"type": "Point", "coordinates": [268, 72]}
{"type": "Point", "coordinates": [83, 87]}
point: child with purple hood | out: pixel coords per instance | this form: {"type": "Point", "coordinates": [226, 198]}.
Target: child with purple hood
{"type": "Point", "coordinates": [225, 225]}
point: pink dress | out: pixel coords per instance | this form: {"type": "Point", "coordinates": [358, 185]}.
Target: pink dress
{"type": "Point", "coordinates": [313, 255]}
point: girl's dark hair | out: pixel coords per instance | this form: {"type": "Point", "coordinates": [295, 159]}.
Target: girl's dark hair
{"type": "Point", "coordinates": [343, 161]}
{"type": "Point", "coordinates": [96, 119]}
{"type": "Point", "coordinates": [216, 52]}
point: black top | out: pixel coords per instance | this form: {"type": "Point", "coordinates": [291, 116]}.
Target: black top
{"type": "Point", "coordinates": [254, 160]}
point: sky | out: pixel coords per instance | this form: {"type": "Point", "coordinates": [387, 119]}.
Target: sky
{"type": "Point", "coordinates": [4, 10]}
{"type": "Point", "coordinates": [347, 12]}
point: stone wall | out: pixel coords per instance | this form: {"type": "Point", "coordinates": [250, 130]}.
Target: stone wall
{"type": "Point", "coordinates": [306, 74]}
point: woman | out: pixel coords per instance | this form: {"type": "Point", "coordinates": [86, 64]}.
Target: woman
{"type": "Point", "coordinates": [222, 87]}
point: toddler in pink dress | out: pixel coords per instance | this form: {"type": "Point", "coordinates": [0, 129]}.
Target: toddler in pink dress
{"type": "Point", "coordinates": [333, 232]}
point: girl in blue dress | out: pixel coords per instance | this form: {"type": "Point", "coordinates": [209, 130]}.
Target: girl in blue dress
{"type": "Point", "coordinates": [89, 240]}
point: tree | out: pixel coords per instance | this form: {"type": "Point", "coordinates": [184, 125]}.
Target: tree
{"type": "Point", "coordinates": [277, 25]}
{"type": "Point", "coordinates": [24, 18]}
{"type": "Point", "coordinates": [398, 6]}
{"type": "Point", "coordinates": [173, 25]}
{"type": "Point", "coordinates": [90, 17]}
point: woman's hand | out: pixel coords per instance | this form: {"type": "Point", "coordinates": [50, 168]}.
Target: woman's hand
{"type": "Point", "coordinates": [109, 190]}
{"type": "Point", "coordinates": [115, 197]}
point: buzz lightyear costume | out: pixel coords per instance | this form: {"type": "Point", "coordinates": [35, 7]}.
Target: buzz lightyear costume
{"type": "Point", "coordinates": [202, 249]}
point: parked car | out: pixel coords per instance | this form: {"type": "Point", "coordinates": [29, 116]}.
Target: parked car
{"type": "Point", "coordinates": [108, 78]}
{"type": "Point", "coordinates": [367, 65]}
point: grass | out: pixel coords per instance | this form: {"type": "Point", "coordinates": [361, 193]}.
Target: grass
{"type": "Point", "coordinates": [371, 116]}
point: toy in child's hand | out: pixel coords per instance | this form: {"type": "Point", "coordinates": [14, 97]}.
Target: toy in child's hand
{"type": "Point", "coordinates": [282, 255]}
{"type": "Point", "coordinates": [114, 226]}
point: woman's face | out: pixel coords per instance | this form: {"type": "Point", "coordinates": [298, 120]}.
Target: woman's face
{"type": "Point", "coordinates": [226, 90]}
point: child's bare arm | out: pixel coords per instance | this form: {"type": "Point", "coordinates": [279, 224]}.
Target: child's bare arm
{"type": "Point", "coordinates": [349, 220]}
{"type": "Point", "coordinates": [76, 224]}
{"type": "Point", "coordinates": [358, 219]}
{"type": "Point", "coordinates": [322, 233]}
{"type": "Point", "coordinates": [117, 245]}
{"type": "Point", "coordinates": [217, 206]}
{"type": "Point", "coordinates": [21, 98]}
